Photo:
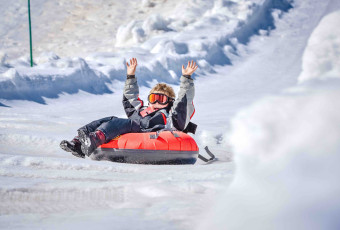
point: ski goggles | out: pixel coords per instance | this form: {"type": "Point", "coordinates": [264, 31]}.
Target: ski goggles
{"type": "Point", "coordinates": [159, 97]}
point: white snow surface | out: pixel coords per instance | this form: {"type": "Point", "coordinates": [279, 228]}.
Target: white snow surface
{"type": "Point", "coordinates": [321, 59]}
{"type": "Point", "coordinates": [267, 93]}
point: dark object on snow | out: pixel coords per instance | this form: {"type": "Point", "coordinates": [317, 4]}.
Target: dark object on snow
{"type": "Point", "coordinates": [166, 147]}
{"type": "Point", "coordinates": [90, 141]}
{"type": "Point", "coordinates": [212, 156]}
{"type": "Point", "coordinates": [191, 128]}
{"type": "Point", "coordinates": [73, 147]}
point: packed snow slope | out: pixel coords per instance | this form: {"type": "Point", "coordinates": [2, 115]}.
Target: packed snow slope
{"type": "Point", "coordinates": [266, 97]}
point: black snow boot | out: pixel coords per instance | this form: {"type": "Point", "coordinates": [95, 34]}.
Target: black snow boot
{"type": "Point", "coordinates": [73, 147]}
{"type": "Point", "coordinates": [90, 141]}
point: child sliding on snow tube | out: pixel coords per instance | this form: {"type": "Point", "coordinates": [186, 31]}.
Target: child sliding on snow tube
{"type": "Point", "coordinates": [162, 112]}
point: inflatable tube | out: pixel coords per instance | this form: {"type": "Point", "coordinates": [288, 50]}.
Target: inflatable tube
{"type": "Point", "coordinates": [147, 148]}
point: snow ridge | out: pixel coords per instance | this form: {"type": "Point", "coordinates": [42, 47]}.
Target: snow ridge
{"type": "Point", "coordinates": [15, 84]}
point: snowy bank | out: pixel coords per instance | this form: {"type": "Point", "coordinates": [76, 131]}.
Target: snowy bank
{"type": "Point", "coordinates": [68, 76]}
{"type": "Point", "coordinates": [192, 30]}
{"type": "Point", "coordinates": [287, 151]}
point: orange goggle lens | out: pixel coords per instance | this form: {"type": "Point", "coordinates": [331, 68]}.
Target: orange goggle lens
{"type": "Point", "coordinates": [160, 98]}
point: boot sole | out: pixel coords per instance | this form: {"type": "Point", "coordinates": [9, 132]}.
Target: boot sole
{"type": "Point", "coordinates": [85, 142]}
{"type": "Point", "coordinates": [63, 146]}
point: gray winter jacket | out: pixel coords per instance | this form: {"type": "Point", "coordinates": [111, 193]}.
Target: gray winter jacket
{"type": "Point", "coordinates": [176, 116]}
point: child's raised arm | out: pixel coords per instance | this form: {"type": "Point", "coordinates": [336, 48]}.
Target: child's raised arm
{"type": "Point", "coordinates": [183, 108]}
{"type": "Point", "coordinates": [131, 101]}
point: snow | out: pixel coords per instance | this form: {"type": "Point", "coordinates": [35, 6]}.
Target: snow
{"type": "Point", "coordinates": [321, 58]}
{"type": "Point", "coordinates": [159, 47]}
{"type": "Point", "coordinates": [286, 151]}
{"type": "Point", "coordinates": [266, 105]}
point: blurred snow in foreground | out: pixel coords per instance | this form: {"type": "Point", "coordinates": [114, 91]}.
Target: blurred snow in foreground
{"type": "Point", "coordinates": [287, 149]}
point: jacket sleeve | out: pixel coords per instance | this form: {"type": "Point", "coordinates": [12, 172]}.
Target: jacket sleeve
{"type": "Point", "coordinates": [131, 101]}
{"type": "Point", "coordinates": [183, 108]}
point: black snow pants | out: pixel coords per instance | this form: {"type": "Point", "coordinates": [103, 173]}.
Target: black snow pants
{"type": "Point", "coordinates": [112, 127]}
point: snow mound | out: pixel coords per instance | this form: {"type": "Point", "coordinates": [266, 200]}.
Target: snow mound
{"type": "Point", "coordinates": [321, 58]}
{"type": "Point", "coordinates": [3, 60]}
{"type": "Point", "coordinates": [51, 79]}
{"type": "Point", "coordinates": [139, 31]}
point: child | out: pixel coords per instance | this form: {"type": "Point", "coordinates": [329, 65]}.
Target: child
{"type": "Point", "coordinates": [163, 111]}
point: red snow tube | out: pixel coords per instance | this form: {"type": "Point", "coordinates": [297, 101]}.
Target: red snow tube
{"type": "Point", "coordinates": [148, 148]}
